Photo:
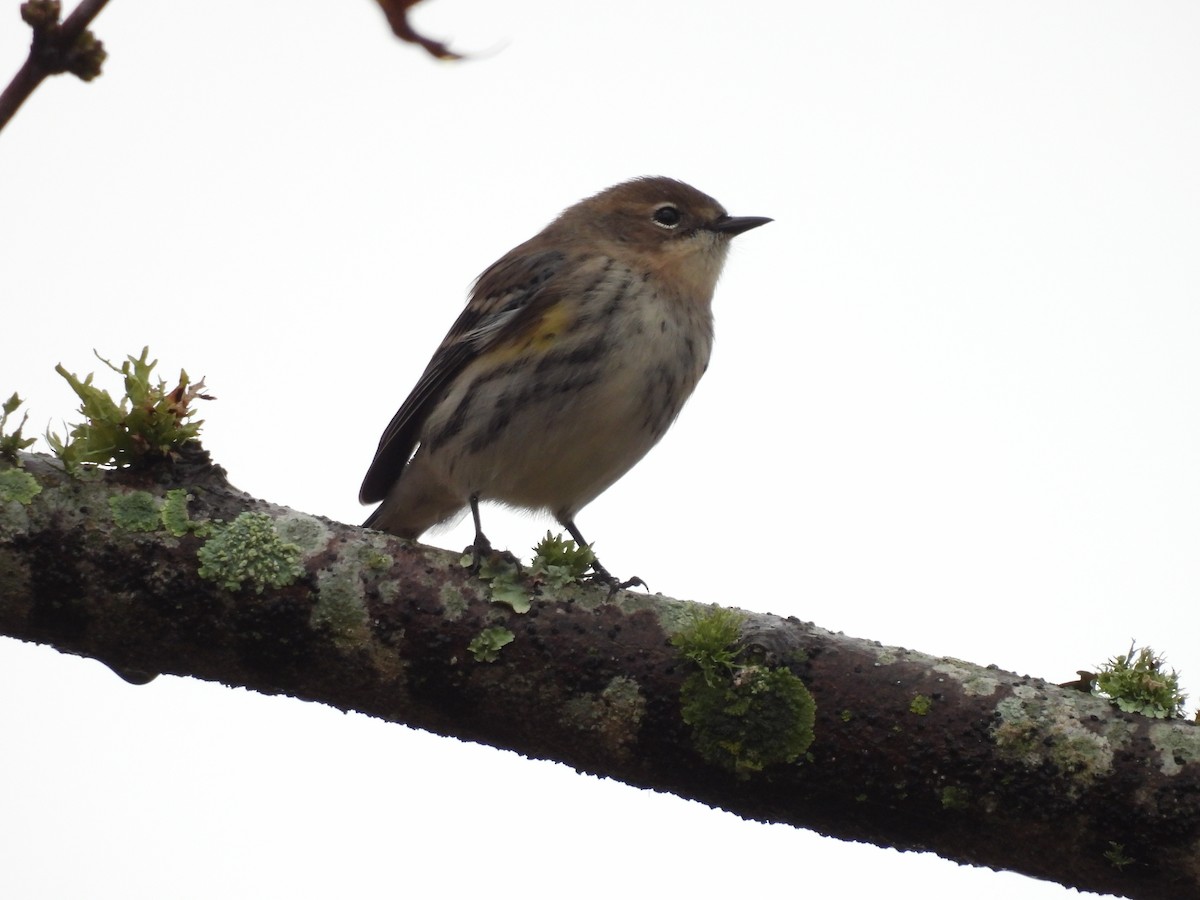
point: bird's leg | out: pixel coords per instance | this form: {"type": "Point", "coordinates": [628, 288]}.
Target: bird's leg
{"type": "Point", "coordinates": [482, 545]}
{"type": "Point", "coordinates": [599, 573]}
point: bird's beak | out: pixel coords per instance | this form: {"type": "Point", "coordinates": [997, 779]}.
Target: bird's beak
{"type": "Point", "coordinates": [732, 225]}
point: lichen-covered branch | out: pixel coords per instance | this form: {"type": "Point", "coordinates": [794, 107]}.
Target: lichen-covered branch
{"type": "Point", "coordinates": [170, 570]}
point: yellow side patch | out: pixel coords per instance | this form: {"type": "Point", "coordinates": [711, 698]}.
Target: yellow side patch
{"type": "Point", "coordinates": [538, 335]}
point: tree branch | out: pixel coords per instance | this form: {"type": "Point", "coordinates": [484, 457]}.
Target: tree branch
{"type": "Point", "coordinates": [55, 49]}
{"type": "Point", "coordinates": [978, 765]}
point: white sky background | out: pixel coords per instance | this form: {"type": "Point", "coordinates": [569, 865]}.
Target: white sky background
{"type": "Point", "coordinates": [954, 401]}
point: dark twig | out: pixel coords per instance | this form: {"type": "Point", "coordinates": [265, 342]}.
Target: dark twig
{"type": "Point", "coordinates": [397, 16]}
{"type": "Point", "coordinates": [56, 48]}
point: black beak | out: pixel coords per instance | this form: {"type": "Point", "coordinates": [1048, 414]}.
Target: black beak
{"type": "Point", "coordinates": [732, 225]}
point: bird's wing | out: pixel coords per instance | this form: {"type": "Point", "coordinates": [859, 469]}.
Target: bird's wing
{"type": "Point", "coordinates": [508, 295]}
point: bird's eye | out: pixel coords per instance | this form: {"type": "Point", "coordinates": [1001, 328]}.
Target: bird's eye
{"type": "Point", "coordinates": [667, 216]}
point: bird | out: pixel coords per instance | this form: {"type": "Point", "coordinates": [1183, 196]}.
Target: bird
{"type": "Point", "coordinates": [573, 356]}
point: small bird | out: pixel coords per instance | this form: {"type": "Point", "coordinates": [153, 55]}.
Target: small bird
{"type": "Point", "coordinates": [574, 354]}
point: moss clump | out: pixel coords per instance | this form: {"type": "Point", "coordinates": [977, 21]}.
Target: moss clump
{"type": "Point", "coordinates": [18, 485]}
{"type": "Point", "coordinates": [956, 798]}
{"type": "Point", "coordinates": [920, 705]}
{"type": "Point", "coordinates": [711, 642]}
{"type": "Point", "coordinates": [487, 644]}
{"type": "Point", "coordinates": [744, 716]}
{"type": "Point", "coordinates": [1141, 684]}
{"type": "Point", "coordinates": [149, 423]}
{"type": "Point", "coordinates": [249, 550]}
{"type": "Point", "coordinates": [1117, 857]}
{"type": "Point", "coordinates": [136, 511]}
{"type": "Point", "coordinates": [558, 562]}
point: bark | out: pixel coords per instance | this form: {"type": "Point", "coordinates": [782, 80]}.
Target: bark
{"type": "Point", "coordinates": [981, 766]}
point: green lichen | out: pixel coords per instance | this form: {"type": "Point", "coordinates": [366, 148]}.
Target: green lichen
{"type": "Point", "coordinates": [174, 513]}
{"type": "Point", "coordinates": [744, 716]}
{"type": "Point", "coordinates": [846, 715]}
{"type": "Point", "coordinates": [340, 608]}
{"type": "Point", "coordinates": [611, 717]}
{"type": "Point", "coordinates": [503, 575]}
{"type": "Point", "coordinates": [956, 798]}
{"type": "Point", "coordinates": [920, 705]}
{"type": "Point", "coordinates": [249, 551]}
{"type": "Point", "coordinates": [135, 511]}
{"type": "Point", "coordinates": [487, 644]}
{"type": "Point", "coordinates": [12, 444]}
{"type": "Point", "coordinates": [149, 422]}
{"type": "Point", "coordinates": [18, 485]}
{"type": "Point", "coordinates": [556, 564]}
{"type": "Point", "coordinates": [374, 559]}
{"type": "Point", "coordinates": [454, 604]}
{"type": "Point", "coordinates": [1141, 684]}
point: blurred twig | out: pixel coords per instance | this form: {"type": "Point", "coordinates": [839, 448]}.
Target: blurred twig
{"type": "Point", "coordinates": [56, 48]}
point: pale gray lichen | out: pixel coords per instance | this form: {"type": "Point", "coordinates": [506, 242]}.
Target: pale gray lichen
{"type": "Point", "coordinates": [1178, 744]}
{"type": "Point", "coordinates": [974, 683]}
{"type": "Point", "coordinates": [309, 534]}
{"type": "Point", "coordinates": [1035, 731]}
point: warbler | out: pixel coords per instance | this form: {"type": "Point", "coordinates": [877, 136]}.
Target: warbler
{"type": "Point", "coordinates": [573, 356]}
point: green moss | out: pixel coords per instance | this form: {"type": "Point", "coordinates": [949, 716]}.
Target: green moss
{"type": "Point", "coordinates": [136, 511]}
{"type": "Point", "coordinates": [956, 798]}
{"type": "Point", "coordinates": [846, 715]}
{"type": "Point", "coordinates": [558, 562]}
{"type": "Point", "coordinates": [487, 644]}
{"type": "Point", "coordinates": [149, 422]}
{"type": "Point", "coordinates": [18, 485]}
{"type": "Point", "coordinates": [711, 642]}
{"type": "Point", "coordinates": [744, 717]}
{"type": "Point", "coordinates": [920, 705]}
{"type": "Point", "coordinates": [1141, 684]}
{"type": "Point", "coordinates": [1117, 857]}
{"type": "Point", "coordinates": [249, 551]}
{"type": "Point", "coordinates": [760, 718]}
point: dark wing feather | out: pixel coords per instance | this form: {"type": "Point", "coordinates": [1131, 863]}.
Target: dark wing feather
{"type": "Point", "coordinates": [504, 298]}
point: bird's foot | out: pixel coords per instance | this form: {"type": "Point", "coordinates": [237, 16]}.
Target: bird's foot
{"type": "Point", "coordinates": [601, 575]}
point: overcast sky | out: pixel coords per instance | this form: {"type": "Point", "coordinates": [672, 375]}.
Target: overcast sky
{"type": "Point", "coordinates": [954, 403]}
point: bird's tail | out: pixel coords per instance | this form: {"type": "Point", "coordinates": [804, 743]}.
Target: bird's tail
{"type": "Point", "coordinates": [416, 502]}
